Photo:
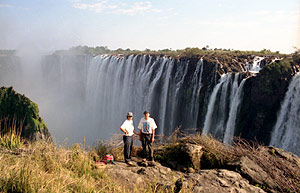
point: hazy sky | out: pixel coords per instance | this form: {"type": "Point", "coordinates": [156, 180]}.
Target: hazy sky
{"type": "Point", "coordinates": [153, 24]}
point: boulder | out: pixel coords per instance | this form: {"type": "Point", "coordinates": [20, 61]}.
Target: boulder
{"type": "Point", "coordinates": [140, 176]}
{"type": "Point", "coordinates": [207, 181]}
{"type": "Point", "coordinates": [194, 153]}
{"type": "Point", "coordinates": [252, 172]}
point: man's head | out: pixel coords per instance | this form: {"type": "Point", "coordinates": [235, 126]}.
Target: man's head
{"type": "Point", "coordinates": [129, 115]}
{"type": "Point", "coordinates": [146, 114]}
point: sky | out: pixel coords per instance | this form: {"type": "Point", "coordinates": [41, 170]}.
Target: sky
{"type": "Point", "coordinates": [154, 24]}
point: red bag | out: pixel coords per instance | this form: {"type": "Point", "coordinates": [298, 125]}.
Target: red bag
{"type": "Point", "coordinates": [108, 158]}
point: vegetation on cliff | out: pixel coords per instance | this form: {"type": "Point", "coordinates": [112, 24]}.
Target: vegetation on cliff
{"type": "Point", "coordinates": [20, 112]}
{"type": "Point", "coordinates": [186, 52]}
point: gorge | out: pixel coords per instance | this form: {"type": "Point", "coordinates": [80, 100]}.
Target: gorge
{"type": "Point", "coordinates": [223, 95]}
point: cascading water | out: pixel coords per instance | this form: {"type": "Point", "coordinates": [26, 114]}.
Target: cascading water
{"type": "Point", "coordinates": [116, 85]}
{"type": "Point", "coordinates": [286, 133]}
{"type": "Point", "coordinates": [211, 105]}
{"type": "Point", "coordinates": [234, 109]}
{"type": "Point", "coordinates": [222, 108]}
{"type": "Point", "coordinates": [255, 67]}
{"type": "Point", "coordinates": [83, 96]}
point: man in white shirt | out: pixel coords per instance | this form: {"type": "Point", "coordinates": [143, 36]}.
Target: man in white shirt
{"type": "Point", "coordinates": [147, 128]}
{"type": "Point", "coordinates": [128, 129]}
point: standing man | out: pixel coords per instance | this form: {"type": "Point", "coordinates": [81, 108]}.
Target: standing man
{"type": "Point", "coordinates": [128, 129]}
{"type": "Point", "coordinates": [147, 128]}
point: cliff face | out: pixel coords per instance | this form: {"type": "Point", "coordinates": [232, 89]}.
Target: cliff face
{"type": "Point", "coordinates": [9, 69]}
{"type": "Point", "coordinates": [20, 113]}
{"type": "Point", "coordinates": [177, 91]}
{"type": "Point", "coordinates": [263, 95]}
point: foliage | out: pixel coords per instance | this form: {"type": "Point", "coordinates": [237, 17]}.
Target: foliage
{"type": "Point", "coordinates": [20, 110]}
{"type": "Point", "coordinates": [99, 150]}
{"type": "Point", "coordinates": [272, 73]}
{"type": "Point", "coordinates": [186, 52]}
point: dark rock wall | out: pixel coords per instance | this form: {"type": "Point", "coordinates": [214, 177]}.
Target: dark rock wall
{"type": "Point", "coordinates": [263, 95]}
{"type": "Point", "coordinates": [10, 69]}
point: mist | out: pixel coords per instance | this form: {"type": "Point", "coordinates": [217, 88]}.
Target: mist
{"type": "Point", "coordinates": [37, 28]}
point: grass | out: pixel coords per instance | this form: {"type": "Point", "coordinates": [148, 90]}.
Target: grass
{"type": "Point", "coordinates": [44, 167]}
{"type": "Point", "coordinates": [11, 141]}
{"type": "Point", "coordinates": [10, 133]}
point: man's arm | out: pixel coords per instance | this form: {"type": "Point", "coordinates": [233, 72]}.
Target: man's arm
{"type": "Point", "coordinates": [153, 134]}
{"type": "Point", "coordinates": [124, 130]}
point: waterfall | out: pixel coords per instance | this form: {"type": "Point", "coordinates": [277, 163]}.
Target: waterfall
{"type": "Point", "coordinates": [286, 133]}
{"type": "Point", "coordinates": [211, 104]}
{"type": "Point", "coordinates": [196, 87]}
{"type": "Point", "coordinates": [255, 66]}
{"type": "Point", "coordinates": [161, 85]}
{"type": "Point", "coordinates": [236, 100]}
{"type": "Point", "coordinates": [223, 107]}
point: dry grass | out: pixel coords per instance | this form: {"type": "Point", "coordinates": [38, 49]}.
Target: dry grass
{"type": "Point", "coordinates": [283, 170]}
{"type": "Point", "coordinates": [10, 133]}
{"type": "Point", "coordinates": [43, 167]}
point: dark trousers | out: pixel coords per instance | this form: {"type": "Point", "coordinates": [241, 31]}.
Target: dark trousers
{"type": "Point", "coordinates": [147, 142]}
{"type": "Point", "coordinates": [128, 142]}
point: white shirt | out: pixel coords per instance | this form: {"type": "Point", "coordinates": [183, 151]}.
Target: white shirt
{"type": "Point", "coordinates": [128, 126]}
{"type": "Point", "coordinates": [147, 126]}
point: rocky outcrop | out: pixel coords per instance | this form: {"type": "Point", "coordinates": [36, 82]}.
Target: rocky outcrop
{"type": "Point", "coordinates": [253, 172]}
{"type": "Point", "coordinates": [272, 169]}
{"type": "Point", "coordinates": [164, 178]}
{"type": "Point", "coordinates": [19, 114]}
{"type": "Point", "coordinates": [207, 181]}
{"type": "Point", "coordinates": [133, 176]}
{"type": "Point", "coordinates": [269, 168]}
{"type": "Point", "coordinates": [194, 153]}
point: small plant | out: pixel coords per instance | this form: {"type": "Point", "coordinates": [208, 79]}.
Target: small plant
{"type": "Point", "coordinates": [101, 149]}
{"type": "Point", "coordinates": [10, 137]}
{"type": "Point", "coordinates": [11, 141]}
